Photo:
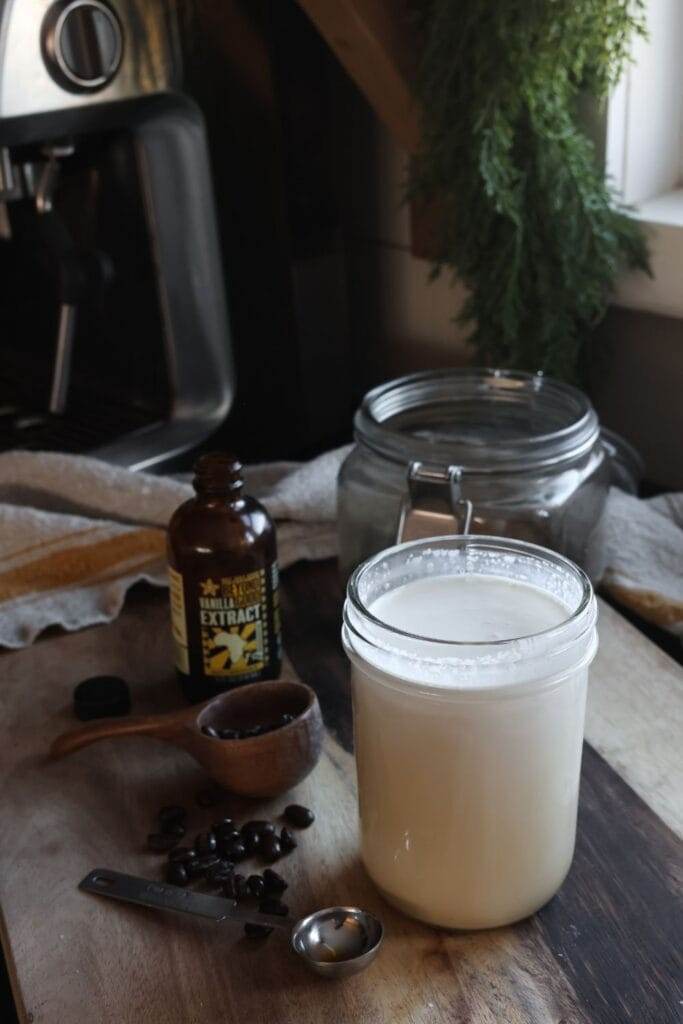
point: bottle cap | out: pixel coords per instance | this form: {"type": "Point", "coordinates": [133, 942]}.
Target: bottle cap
{"type": "Point", "coordinates": [101, 697]}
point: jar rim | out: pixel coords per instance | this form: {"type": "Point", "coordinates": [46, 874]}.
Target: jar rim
{"type": "Point", "coordinates": [549, 398]}
{"type": "Point", "coordinates": [501, 544]}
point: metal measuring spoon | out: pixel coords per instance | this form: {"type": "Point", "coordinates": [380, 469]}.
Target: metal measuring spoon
{"type": "Point", "coordinates": [335, 942]}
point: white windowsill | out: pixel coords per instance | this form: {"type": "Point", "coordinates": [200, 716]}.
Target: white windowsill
{"type": "Point", "coordinates": [663, 292]}
{"type": "Point", "coordinates": [665, 210]}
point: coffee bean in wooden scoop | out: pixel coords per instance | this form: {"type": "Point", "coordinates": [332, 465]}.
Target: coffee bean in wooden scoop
{"type": "Point", "coordinates": [259, 766]}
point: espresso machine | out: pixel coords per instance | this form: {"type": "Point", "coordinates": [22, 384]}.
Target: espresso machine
{"type": "Point", "coordinates": [114, 335]}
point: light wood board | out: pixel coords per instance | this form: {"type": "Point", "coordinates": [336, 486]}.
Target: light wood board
{"type": "Point", "coordinates": [74, 956]}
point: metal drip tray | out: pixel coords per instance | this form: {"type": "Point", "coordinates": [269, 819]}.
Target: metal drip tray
{"type": "Point", "coordinates": [93, 418]}
{"type": "Point", "coordinates": [82, 429]}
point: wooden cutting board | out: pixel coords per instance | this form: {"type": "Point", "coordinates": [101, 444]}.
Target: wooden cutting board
{"type": "Point", "coordinates": [604, 950]}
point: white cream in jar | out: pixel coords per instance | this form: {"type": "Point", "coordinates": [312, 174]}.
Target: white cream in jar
{"type": "Point", "coordinates": [469, 667]}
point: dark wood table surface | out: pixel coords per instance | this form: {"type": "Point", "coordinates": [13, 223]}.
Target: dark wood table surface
{"type": "Point", "coordinates": [616, 927]}
{"type": "Point", "coordinates": [605, 950]}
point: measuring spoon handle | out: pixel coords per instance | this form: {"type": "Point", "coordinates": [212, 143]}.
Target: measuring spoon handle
{"type": "Point", "coordinates": [161, 896]}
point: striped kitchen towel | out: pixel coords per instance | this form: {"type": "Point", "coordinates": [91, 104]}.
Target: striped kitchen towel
{"type": "Point", "coordinates": [76, 533]}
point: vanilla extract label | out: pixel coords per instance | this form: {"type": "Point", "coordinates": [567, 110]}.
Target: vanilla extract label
{"type": "Point", "coordinates": [234, 623]}
{"type": "Point", "coordinates": [220, 613]}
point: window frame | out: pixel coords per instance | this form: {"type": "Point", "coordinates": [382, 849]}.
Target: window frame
{"type": "Point", "coordinates": [644, 157]}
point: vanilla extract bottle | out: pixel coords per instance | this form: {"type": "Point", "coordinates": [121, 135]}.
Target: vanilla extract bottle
{"type": "Point", "coordinates": [223, 578]}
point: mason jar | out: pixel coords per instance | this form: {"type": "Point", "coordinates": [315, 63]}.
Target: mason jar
{"type": "Point", "coordinates": [481, 451]}
{"type": "Point", "coordinates": [468, 750]}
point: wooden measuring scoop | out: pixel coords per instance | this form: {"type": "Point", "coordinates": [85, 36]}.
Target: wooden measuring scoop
{"type": "Point", "coordinates": [257, 766]}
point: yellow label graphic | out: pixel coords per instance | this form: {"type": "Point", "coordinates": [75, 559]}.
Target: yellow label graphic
{"type": "Point", "coordinates": [178, 621]}
{"type": "Point", "coordinates": [234, 630]}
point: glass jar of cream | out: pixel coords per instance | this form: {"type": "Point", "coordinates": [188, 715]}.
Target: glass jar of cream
{"type": "Point", "coordinates": [469, 662]}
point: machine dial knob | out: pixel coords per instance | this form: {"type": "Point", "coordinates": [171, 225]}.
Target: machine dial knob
{"type": "Point", "coordinates": [82, 44]}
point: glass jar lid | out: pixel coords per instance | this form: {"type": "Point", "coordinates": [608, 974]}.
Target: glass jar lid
{"type": "Point", "coordinates": [483, 421]}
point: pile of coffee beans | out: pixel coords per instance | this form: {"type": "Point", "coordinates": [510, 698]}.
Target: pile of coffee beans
{"type": "Point", "coordinates": [213, 857]}
{"type": "Point", "coordinates": [249, 731]}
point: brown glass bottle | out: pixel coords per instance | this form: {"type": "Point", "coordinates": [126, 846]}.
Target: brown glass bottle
{"type": "Point", "coordinates": [224, 584]}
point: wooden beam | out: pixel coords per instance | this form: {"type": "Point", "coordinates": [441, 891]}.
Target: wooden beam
{"type": "Point", "coordinates": [372, 40]}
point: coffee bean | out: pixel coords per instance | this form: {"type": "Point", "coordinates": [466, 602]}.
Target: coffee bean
{"type": "Point", "coordinates": [228, 890]}
{"type": "Point", "coordinates": [210, 796]}
{"type": "Point", "coordinates": [159, 842]}
{"type": "Point", "coordinates": [287, 841]}
{"type": "Point", "coordinates": [299, 816]}
{"type": "Point", "coordinates": [252, 842]}
{"type": "Point", "coordinates": [209, 730]}
{"type": "Point", "coordinates": [240, 887]}
{"type": "Point", "coordinates": [274, 883]}
{"type": "Point", "coordinates": [258, 826]}
{"type": "Point", "coordinates": [257, 931]}
{"type": "Point", "coordinates": [177, 875]}
{"type": "Point", "coordinates": [257, 887]}
{"type": "Point", "coordinates": [224, 846]}
{"type": "Point", "coordinates": [174, 828]}
{"type": "Point", "coordinates": [197, 866]}
{"type": "Point", "coordinates": [181, 854]}
{"type": "Point", "coordinates": [252, 730]}
{"type": "Point", "coordinates": [202, 865]}
{"type": "Point", "coordinates": [205, 842]}
{"type": "Point", "coordinates": [222, 826]}
{"type": "Point", "coordinates": [286, 719]}
{"type": "Point", "coordinates": [228, 832]}
{"type": "Point", "coordinates": [270, 848]}
{"type": "Point", "coordinates": [271, 906]}
{"type": "Point", "coordinates": [219, 873]}
{"type": "Point", "coordinates": [235, 851]}
{"type": "Point", "coordinates": [172, 815]}
{"type": "Point", "coordinates": [229, 734]}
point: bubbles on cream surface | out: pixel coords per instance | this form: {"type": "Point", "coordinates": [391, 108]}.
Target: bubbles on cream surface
{"type": "Point", "coordinates": [473, 608]}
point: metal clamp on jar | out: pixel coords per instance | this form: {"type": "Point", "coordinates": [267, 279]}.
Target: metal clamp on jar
{"type": "Point", "coordinates": [496, 452]}
{"type": "Point", "coordinates": [434, 506]}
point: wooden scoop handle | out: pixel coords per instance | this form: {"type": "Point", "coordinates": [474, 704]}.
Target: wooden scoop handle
{"type": "Point", "coordinates": [162, 727]}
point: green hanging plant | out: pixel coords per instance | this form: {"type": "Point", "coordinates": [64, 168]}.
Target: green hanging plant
{"type": "Point", "coordinates": [528, 222]}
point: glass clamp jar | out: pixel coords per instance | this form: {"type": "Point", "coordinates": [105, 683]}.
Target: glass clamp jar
{"type": "Point", "coordinates": [496, 452]}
